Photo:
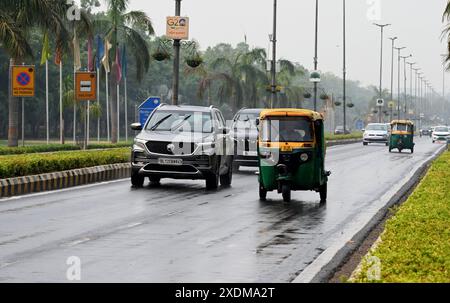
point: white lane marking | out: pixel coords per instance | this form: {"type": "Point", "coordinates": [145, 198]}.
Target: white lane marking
{"type": "Point", "coordinates": [134, 225]}
{"type": "Point", "coordinates": [61, 190]}
{"type": "Point", "coordinates": [77, 242]}
{"type": "Point", "coordinates": [308, 274]}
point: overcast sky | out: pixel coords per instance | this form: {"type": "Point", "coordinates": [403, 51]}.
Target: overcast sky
{"type": "Point", "coordinates": [417, 23]}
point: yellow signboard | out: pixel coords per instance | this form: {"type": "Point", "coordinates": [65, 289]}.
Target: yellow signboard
{"type": "Point", "coordinates": [86, 86]}
{"type": "Point", "coordinates": [391, 104]}
{"type": "Point", "coordinates": [177, 28]}
{"type": "Point", "coordinates": [22, 81]}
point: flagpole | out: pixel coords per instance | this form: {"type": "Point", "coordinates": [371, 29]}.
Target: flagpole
{"type": "Point", "coordinates": [46, 101]}
{"type": "Point", "coordinates": [107, 108]}
{"type": "Point", "coordinates": [61, 122]}
{"type": "Point", "coordinates": [88, 122]}
{"type": "Point", "coordinates": [118, 112]}
{"type": "Point", "coordinates": [98, 104]}
{"type": "Point", "coordinates": [126, 109]}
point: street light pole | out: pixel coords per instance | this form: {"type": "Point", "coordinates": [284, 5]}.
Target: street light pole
{"type": "Point", "coordinates": [344, 71]}
{"type": "Point", "coordinates": [392, 68]}
{"type": "Point", "coordinates": [316, 53]}
{"type": "Point", "coordinates": [176, 60]}
{"type": "Point", "coordinates": [405, 81]}
{"type": "Point", "coordinates": [274, 56]}
{"type": "Point", "coordinates": [411, 85]}
{"type": "Point", "coordinates": [416, 80]}
{"type": "Point", "coordinates": [399, 49]}
{"type": "Point", "coordinates": [381, 26]}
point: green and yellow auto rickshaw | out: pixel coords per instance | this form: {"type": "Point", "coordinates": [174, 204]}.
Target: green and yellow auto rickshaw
{"type": "Point", "coordinates": [402, 135]}
{"type": "Point", "coordinates": [291, 153]}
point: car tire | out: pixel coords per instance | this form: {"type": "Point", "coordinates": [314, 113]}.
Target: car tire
{"type": "Point", "coordinates": [365, 143]}
{"type": "Point", "coordinates": [262, 193]}
{"type": "Point", "coordinates": [212, 179]}
{"type": "Point", "coordinates": [225, 180]}
{"type": "Point", "coordinates": [137, 180]}
{"type": "Point", "coordinates": [286, 192]}
{"type": "Point", "coordinates": [387, 143]}
{"type": "Point", "coordinates": [323, 191]}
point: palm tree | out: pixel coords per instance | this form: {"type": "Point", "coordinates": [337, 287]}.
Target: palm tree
{"type": "Point", "coordinates": [129, 27]}
{"type": "Point", "coordinates": [16, 18]}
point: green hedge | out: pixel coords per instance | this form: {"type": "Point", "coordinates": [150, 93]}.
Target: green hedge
{"type": "Point", "coordinates": [332, 137]}
{"type": "Point", "coordinates": [33, 164]}
{"type": "Point", "coordinates": [415, 246]}
{"type": "Point", "coordinates": [54, 148]}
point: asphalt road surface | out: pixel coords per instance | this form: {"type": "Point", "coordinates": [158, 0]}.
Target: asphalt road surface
{"type": "Point", "coordinates": [179, 232]}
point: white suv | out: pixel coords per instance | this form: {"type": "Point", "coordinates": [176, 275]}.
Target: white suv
{"type": "Point", "coordinates": [376, 133]}
{"type": "Point", "coordinates": [441, 133]}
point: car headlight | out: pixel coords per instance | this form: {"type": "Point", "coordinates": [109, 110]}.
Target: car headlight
{"type": "Point", "coordinates": [207, 147]}
{"type": "Point", "coordinates": [139, 145]}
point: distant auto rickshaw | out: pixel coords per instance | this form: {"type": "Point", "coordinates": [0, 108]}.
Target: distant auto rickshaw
{"type": "Point", "coordinates": [291, 153]}
{"type": "Point", "coordinates": [402, 135]}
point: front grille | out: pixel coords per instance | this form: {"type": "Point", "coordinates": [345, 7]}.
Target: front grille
{"type": "Point", "coordinates": [178, 148]}
{"type": "Point", "coordinates": [168, 168]}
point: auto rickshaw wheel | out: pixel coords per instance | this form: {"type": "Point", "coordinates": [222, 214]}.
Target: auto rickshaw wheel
{"type": "Point", "coordinates": [323, 190]}
{"type": "Point", "coordinates": [286, 192]}
{"type": "Point", "coordinates": [262, 193]}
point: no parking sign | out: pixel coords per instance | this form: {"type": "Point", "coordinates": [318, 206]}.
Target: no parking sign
{"type": "Point", "coordinates": [22, 81]}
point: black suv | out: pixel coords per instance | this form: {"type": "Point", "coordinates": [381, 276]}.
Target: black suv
{"type": "Point", "coordinates": [182, 142]}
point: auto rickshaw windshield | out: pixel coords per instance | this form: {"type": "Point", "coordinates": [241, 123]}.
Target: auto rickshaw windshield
{"type": "Point", "coordinates": [287, 129]}
{"type": "Point", "coordinates": [402, 127]}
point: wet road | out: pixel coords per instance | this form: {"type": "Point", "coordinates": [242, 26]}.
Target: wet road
{"type": "Point", "coordinates": [180, 233]}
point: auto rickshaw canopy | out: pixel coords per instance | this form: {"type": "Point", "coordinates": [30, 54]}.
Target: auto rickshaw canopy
{"type": "Point", "coordinates": [407, 122]}
{"type": "Point", "coordinates": [290, 112]}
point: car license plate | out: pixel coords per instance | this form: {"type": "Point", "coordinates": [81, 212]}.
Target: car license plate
{"type": "Point", "coordinates": [250, 153]}
{"type": "Point", "coordinates": [175, 162]}
{"type": "Point", "coordinates": [286, 148]}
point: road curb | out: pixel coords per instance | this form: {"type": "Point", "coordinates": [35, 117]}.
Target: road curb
{"type": "Point", "coordinates": [343, 142]}
{"type": "Point", "coordinates": [59, 180]}
{"type": "Point", "coordinates": [341, 257]}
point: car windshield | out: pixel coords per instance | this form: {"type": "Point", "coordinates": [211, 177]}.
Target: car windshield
{"type": "Point", "coordinates": [181, 121]}
{"type": "Point", "coordinates": [287, 130]}
{"type": "Point", "coordinates": [379, 127]}
{"type": "Point", "coordinates": [402, 127]}
{"type": "Point", "coordinates": [246, 120]}
{"type": "Point", "coordinates": [441, 130]}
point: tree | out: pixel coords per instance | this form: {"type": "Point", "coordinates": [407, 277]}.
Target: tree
{"type": "Point", "coordinates": [129, 27]}
{"type": "Point", "coordinates": [16, 19]}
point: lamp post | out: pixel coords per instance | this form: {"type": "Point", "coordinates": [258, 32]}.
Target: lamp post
{"type": "Point", "coordinates": [416, 80]}
{"type": "Point", "coordinates": [274, 57]}
{"type": "Point", "coordinates": [381, 26]}
{"type": "Point", "coordinates": [405, 80]}
{"type": "Point", "coordinates": [399, 49]}
{"type": "Point", "coordinates": [344, 98]}
{"type": "Point", "coordinates": [411, 86]}
{"type": "Point", "coordinates": [392, 68]}
{"type": "Point", "coordinates": [176, 59]}
{"type": "Point", "coordinates": [316, 52]}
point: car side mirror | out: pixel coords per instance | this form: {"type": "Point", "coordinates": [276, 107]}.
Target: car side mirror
{"type": "Point", "coordinates": [136, 126]}
{"type": "Point", "coordinates": [257, 122]}
{"type": "Point", "coordinates": [363, 130]}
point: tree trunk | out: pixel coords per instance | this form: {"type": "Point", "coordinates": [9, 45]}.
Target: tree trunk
{"type": "Point", "coordinates": [113, 103]}
{"type": "Point", "coordinates": [13, 104]}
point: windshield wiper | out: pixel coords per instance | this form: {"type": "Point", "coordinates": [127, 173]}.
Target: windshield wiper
{"type": "Point", "coordinates": [155, 126]}
{"type": "Point", "coordinates": [181, 123]}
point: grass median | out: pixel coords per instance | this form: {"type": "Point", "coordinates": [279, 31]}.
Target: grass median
{"type": "Point", "coordinates": [415, 246]}
{"type": "Point", "coordinates": [34, 164]}
{"type": "Point", "coordinates": [44, 148]}
{"type": "Point", "coordinates": [332, 137]}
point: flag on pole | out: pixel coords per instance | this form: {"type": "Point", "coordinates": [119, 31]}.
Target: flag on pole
{"type": "Point", "coordinates": [119, 65]}
{"type": "Point", "coordinates": [45, 50]}
{"type": "Point", "coordinates": [105, 59]}
{"type": "Point", "coordinates": [90, 57]}
{"type": "Point", "coordinates": [76, 52]}
{"type": "Point", "coordinates": [100, 51]}
{"type": "Point", "coordinates": [124, 61]}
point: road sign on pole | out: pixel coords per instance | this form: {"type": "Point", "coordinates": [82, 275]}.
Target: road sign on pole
{"type": "Point", "coordinates": [23, 81]}
{"type": "Point", "coordinates": [380, 102]}
{"type": "Point", "coordinates": [177, 28]}
{"type": "Point", "coordinates": [85, 86]}
{"type": "Point", "coordinates": [147, 107]}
